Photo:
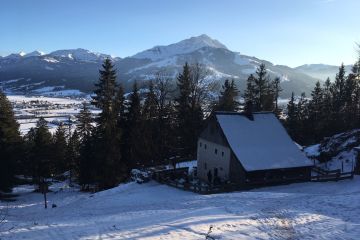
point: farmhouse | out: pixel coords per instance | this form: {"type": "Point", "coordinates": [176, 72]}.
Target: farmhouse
{"type": "Point", "coordinates": [250, 149]}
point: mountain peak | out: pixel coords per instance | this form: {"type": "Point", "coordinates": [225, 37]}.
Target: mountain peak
{"type": "Point", "coordinates": [80, 54]}
{"type": "Point", "coordinates": [206, 41]}
{"type": "Point", "coordinates": [35, 53]}
{"type": "Point", "coordinates": [185, 46]}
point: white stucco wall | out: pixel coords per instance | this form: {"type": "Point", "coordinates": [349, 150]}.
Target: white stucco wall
{"type": "Point", "coordinates": [207, 159]}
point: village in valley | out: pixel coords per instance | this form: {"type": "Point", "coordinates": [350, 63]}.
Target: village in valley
{"type": "Point", "coordinates": [184, 140]}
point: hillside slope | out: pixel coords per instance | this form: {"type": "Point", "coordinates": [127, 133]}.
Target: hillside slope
{"type": "Point", "coordinates": [153, 211]}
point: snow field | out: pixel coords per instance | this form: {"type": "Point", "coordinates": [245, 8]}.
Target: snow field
{"type": "Point", "coordinates": [153, 211]}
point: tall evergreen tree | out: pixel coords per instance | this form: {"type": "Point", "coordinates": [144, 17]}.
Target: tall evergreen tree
{"type": "Point", "coordinates": [133, 124]}
{"type": "Point", "coordinates": [188, 107]}
{"type": "Point", "coordinates": [315, 107]}
{"type": "Point", "coordinates": [10, 143]}
{"type": "Point", "coordinates": [302, 119]}
{"type": "Point", "coordinates": [110, 168]}
{"type": "Point", "coordinates": [73, 155]}
{"type": "Point", "coordinates": [291, 121]}
{"type": "Point", "coordinates": [41, 153]}
{"type": "Point", "coordinates": [326, 109]}
{"type": "Point", "coordinates": [149, 126]}
{"type": "Point", "coordinates": [260, 90]}
{"type": "Point", "coordinates": [227, 99]}
{"type": "Point", "coordinates": [88, 164]}
{"type": "Point", "coordinates": [59, 151]}
{"type": "Point", "coordinates": [120, 105]}
{"type": "Point", "coordinates": [277, 90]}
{"type": "Point", "coordinates": [84, 127]}
{"type": "Point", "coordinates": [249, 94]}
{"type": "Point", "coordinates": [165, 127]}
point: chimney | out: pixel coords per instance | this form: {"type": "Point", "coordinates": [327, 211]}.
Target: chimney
{"type": "Point", "coordinates": [248, 110]}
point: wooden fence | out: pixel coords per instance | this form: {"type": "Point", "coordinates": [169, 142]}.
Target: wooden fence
{"type": "Point", "coordinates": [330, 175]}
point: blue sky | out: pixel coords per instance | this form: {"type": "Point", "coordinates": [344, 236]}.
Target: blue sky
{"type": "Point", "coordinates": [289, 32]}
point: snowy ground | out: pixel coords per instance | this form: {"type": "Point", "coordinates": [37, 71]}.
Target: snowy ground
{"type": "Point", "coordinates": [153, 211]}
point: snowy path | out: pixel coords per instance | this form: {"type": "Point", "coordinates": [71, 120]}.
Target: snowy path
{"type": "Point", "coordinates": [153, 211]}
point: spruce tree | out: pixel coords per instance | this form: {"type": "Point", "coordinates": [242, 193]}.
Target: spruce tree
{"type": "Point", "coordinates": [84, 126]}
{"type": "Point", "coordinates": [327, 110]}
{"type": "Point", "coordinates": [73, 155]}
{"type": "Point", "coordinates": [10, 143]}
{"type": "Point", "coordinates": [315, 107]}
{"type": "Point", "coordinates": [189, 113]}
{"type": "Point", "coordinates": [249, 94]}
{"type": "Point", "coordinates": [88, 164]}
{"type": "Point", "coordinates": [165, 127]}
{"type": "Point", "coordinates": [59, 150]}
{"type": "Point", "coordinates": [338, 100]}
{"type": "Point", "coordinates": [149, 126]}
{"type": "Point", "coordinates": [133, 124]}
{"type": "Point", "coordinates": [260, 90]}
{"type": "Point", "coordinates": [291, 120]}
{"type": "Point", "coordinates": [277, 90]}
{"type": "Point", "coordinates": [227, 99]}
{"type": "Point", "coordinates": [107, 154]}
{"type": "Point", "coordinates": [41, 153]}
{"type": "Point", "coordinates": [302, 119]}
{"type": "Point", "coordinates": [120, 107]}
{"type": "Point", "coordinates": [261, 87]}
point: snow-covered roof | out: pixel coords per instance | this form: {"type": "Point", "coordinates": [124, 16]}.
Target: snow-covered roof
{"type": "Point", "coordinates": [262, 143]}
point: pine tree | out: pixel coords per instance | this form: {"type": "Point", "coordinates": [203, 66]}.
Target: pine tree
{"type": "Point", "coordinates": [120, 107]}
{"type": "Point", "coordinates": [59, 151]}
{"type": "Point", "coordinates": [277, 90]}
{"type": "Point", "coordinates": [110, 169]}
{"type": "Point", "coordinates": [41, 153]}
{"type": "Point", "coordinates": [188, 107]}
{"type": "Point", "coordinates": [260, 90]}
{"type": "Point", "coordinates": [133, 124]}
{"type": "Point", "coordinates": [327, 110]}
{"type": "Point", "coordinates": [302, 116]}
{"type": "Point", "coordinates": [261, 87]}
{"type": "Point", "coordinates": [249, 94]}
{"type": "Point", "coordinates": [165, 127]}
{"type": "Point", "coordinates": [88, 164]}
{"type": "Point", "coordinates": [227, 99]}
{"type": "Point", "coordinates": [84, 127]}
{"type": "Point", "coordinates": [73, 155]}
{"type": "Point", "coordinates": [105, 93]}
{"type": "Point", "coordinates": [315, 111]}
{"type": "Point", "coordinates": [291, 120]}
{"type": "Point", "coordinates": [10, 143]}
{"type": "Point", "coordinates": [338, 100]}
{"type": "Point", "coordinates": [149, 127]}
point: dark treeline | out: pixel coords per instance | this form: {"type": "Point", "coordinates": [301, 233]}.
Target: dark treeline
{"type": "Point", "coordinates": [160, 123]}
{"type": "Point", "coordinates": [333, 107]}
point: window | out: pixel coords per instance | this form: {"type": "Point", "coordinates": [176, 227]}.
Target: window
{"type": "Point", "coordinates": [222, 154]}
{"type": "Point", "coordinates": [200, 144]}
{"type": "Point", "coordinates": [205, 146]}
{"type": "Point", "coordinates": [215, 151]}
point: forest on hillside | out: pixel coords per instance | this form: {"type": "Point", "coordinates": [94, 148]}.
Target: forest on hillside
{"type": "Point", "coordinates": [152, 127]}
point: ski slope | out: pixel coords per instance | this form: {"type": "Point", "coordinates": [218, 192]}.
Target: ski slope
{"type": "Point", "coordinates": [153, 211]}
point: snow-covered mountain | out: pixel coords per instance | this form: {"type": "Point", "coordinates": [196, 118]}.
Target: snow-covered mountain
{"type": "Point", "coordinates": [80, 55]}
{"type": "Point", "coordinates": [35, 53]}
{"type": "Point", "coordinates": [186, 46]}
{"type": "Point", "coordinates": [78, 68]}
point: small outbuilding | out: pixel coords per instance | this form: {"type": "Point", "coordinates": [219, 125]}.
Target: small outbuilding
{"type": "Point", "coordinates": [249, 150]}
